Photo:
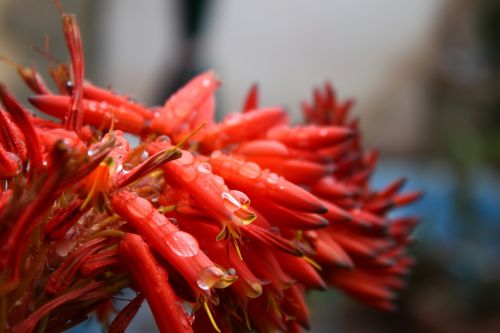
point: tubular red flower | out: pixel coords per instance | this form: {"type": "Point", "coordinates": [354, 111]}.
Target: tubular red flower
{"type": "Point", "coordinates": [235, 220]}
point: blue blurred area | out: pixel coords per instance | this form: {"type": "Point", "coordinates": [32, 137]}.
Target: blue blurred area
{"type": "Point", "coordinates": [455, 286]}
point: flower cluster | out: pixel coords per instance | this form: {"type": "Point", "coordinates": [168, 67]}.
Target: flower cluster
{"type": "Point", "coordinates": [219, 226]}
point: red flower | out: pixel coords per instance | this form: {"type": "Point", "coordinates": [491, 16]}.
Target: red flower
{"type": "Point", "coordinates": [228, 223]}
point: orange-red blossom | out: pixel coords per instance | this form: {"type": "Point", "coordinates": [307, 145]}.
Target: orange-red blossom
{"type": "Point", "coordinates": [219, 226]}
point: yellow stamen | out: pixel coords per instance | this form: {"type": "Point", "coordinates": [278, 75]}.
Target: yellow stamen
{"type": "Point", "coordinates": [210, 316]}
{"type": "Point", "coordinates": [166, 209]}
{"type": "Point", "coordinates": [235, 236]}
{"type": "Point", "coordinates": [108, 233]}
{"type": "Point", "coordinates": [312, 262]}
{"type": "Point", "coordinates": [89, 196]}
{"type": "Point", "coordinates": [235, 243]}
{"type": "Point", "coordinates": [105, 222]}
{"type": "Point", "coordinates": [99, 177]}
{"type": "Point", "coordinates": [274, 305]}
{"type": "Point", "coordinates": [190, 135]}
{"type": "Point", "coordinates": [247, 320]}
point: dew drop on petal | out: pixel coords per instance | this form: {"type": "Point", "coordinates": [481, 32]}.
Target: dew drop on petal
{"type": "Point", "coordinates": [188, 312]}
{"type": "Point", "coordinates": [92, 106]}
{"type": "Point", "coordinates": [230, 202]}
{"type": "Point", "coordinates": [215, 154]}
{"type": "Point", "coordinates": [91, 152]}
{"type": "Point", "coordinates": [128, 166]}
{"type": "Point", "coordinates": [250, 170]}
{"type": "Point", "coordinates": [204, 168]}
{"type": "Point", "coordinates": [16, 160]}
{"type": "Point", "coordinates": [241, 197]}
{"type": "Point", "coordinates": [202, 284]}
{"type": "Point", "coordinates": [140, 209]}
{"type": "Point", "coordinates": [64, 247]}
{"type": "Point", "coordinates": [323, 132]}
{"type": "Point", "coordinates": [182, 244]}
{"type": "Point", "coordinates": [164, 138]}
{"type": "Point", "coordinates": [219, 180]}
{"type": "Point", "coordinates": [272, 178]}
{"type": "Point", "coordinates": [186, 158]}
{"type": "Point", "coordinates": [119, 168]}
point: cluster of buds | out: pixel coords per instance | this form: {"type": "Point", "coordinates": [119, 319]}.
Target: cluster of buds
{"type": "Point", "coordinates": [219, 226]}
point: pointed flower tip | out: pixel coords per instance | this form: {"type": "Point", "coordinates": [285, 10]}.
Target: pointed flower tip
{"type": "Point", "coordinates": [321, 209]}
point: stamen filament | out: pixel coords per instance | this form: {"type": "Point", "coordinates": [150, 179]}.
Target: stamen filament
{"type": "Point", "coordinates": [210, 316]}
{"type": "Point", "coordinates": [312, 262]}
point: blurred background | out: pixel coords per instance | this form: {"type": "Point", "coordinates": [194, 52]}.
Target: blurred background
{"type": "Point", "coordinates": [426, 78]}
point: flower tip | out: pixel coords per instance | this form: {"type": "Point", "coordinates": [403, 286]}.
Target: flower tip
{"type": "Point", "coordinates": [36, 101]}
{"type": "Point", "coordinates": [321, 209]}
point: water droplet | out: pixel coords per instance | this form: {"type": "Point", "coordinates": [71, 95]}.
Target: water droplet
{"type": "Point", "coordinates": [92, 106]}
{"type": "Point", "coordinates": [272, 178]}
{"type": "Point", "coordinates": [204, 168]}
{"type": "Point", "coordinates": [182, 244]}
{"type": "Point", "coordinates": [250, 170]}
{"type": "Point", "coordinates": [186, 158]}
{"type": "Point", "coordinates": [144, 155]}
{"type": "Point", "coordinates": [230, 202]}
{"type": "Point", "coordinates": [64, 247]}
{"type": "Point", "coordinates": [202, 284]}
{"type": "Point", "coordinates": [16, 160]}
{"type": "Point", "coordinates": [219, 180]}
{"type": "Point", "coordinates": [188, 312]}
{"type": "Point", "coordinates": [119, 168]}
{"type": "Point", "coordinates": [128, 166]}
{"type": "Point", "coordinates": [164, 138]}
{"type": "Point", "coordinates": [140, 209]}
{"type": "Point", "coordinates": [241, 197]}
{"type": "Point", "coordinates": [103, 105]}
{"type": "Point", "coordinates": [215, 154]}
